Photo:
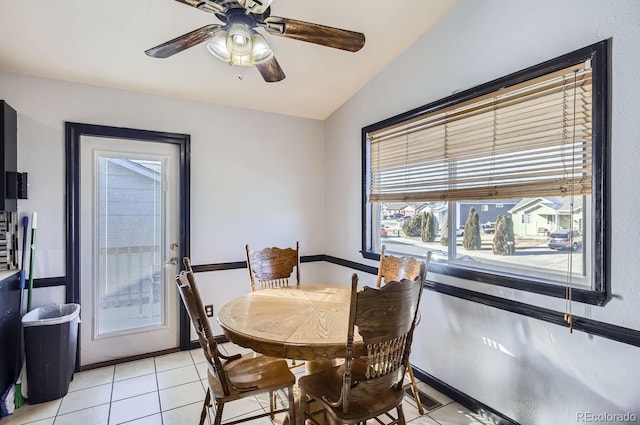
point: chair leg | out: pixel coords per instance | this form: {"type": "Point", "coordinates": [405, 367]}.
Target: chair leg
{"type": "Point", "coordinates": [205, 406]}
{"type": "Point", "coordinates": [302, 406]}
{"type": "Point", "coordinates": [218, 419]}
{"type": "Point", "coordinates": [401, 420]}
{"type": "Point", "coordinates": [292, 406]}
{"type": "Point", "coordinates": [414, 389]}
{"type": "Point", "coordinates": [272, 404]}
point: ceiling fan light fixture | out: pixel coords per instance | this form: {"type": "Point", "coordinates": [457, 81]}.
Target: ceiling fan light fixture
{"type": "Point", "coordinates": [239, 39]}
{"type": "Point", "coordinates": [241, 60]}
{"type": "Point", "coordinates": [218, 46]}
{"type": "Point", "coordinates": [261, 51]}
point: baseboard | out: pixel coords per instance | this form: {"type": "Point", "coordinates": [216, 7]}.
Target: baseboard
{"type": "Point", "coordinates": [125, 359]}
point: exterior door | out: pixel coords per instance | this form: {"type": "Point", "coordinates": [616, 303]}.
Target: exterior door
{"type": "Point", "coordinates": [129, 247]}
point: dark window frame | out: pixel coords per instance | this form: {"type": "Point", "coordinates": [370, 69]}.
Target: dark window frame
{"type": "Point", "coordinates": [599, 53]}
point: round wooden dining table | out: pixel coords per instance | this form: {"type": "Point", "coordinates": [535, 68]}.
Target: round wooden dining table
{"type": "Point", "coordinates": [305, 323]}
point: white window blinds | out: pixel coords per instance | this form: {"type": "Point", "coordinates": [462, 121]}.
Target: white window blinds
{"type": "Point", "coordinates": [530, 139]}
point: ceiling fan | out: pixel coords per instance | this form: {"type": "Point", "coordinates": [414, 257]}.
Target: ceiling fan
{"type": "Point", "coordinates": [237, 42]}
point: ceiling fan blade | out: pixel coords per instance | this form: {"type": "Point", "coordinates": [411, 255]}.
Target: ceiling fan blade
{"type": "Point", "coordinates": [271, 71]}
{"type": "Point", "coordinates": [315, 33]}
{"type": "Point", "coordinates": [183, 42]}
{"type": "Point", "coordinates": [206, 5]}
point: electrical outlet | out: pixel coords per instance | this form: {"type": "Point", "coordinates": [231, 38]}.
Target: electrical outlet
{"type": "Point", "coordinates": [208, 309]}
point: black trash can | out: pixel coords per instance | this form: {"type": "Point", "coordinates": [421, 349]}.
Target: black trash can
{"type": "Point", "coordinates": [50, 341]}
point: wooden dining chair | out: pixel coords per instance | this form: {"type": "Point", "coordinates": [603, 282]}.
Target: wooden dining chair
{"type": "Point", "coordinates": [370, 382]}
{"type": "Point", "coordinates": [234, 377]}
{"type": "Point", "coordinates": [394, 269]}
{"type": "Point", "coordinates": [273, 267]}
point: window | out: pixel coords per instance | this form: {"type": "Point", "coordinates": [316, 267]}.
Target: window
{"type": "Point", "coordinates": [488, 174]}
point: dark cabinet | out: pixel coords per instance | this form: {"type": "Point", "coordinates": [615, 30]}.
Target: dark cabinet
{"type": "Point", "coordinates": [9, 157]}
{"type": "Point", "coordinates": [10, 360]}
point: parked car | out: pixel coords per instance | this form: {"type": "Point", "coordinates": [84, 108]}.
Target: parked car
{"type": "Point", "coordinates": [488, 228]}
{"type": "Point", "coordinates": [383, 232]}
{"type": "Point", "coordinates": [565, 239]}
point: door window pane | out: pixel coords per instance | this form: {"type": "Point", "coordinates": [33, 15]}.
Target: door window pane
{"type": "Point", "coordinates": [129, 275]}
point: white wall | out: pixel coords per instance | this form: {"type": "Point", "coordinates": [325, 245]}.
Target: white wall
{"type": "Point", "coordinates": [256, 178]}
{"type": "Point", "coordinates": [532, 371]}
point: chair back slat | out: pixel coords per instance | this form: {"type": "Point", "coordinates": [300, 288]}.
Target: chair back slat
{"type": "Point", "coordinates": [273, 267]}
{"type": "Point", "coordinates": [397, 268]}
{"type": "Point", "coordinates": [193, 303]}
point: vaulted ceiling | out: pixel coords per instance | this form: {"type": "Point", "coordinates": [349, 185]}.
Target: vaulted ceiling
{"type": "Point", "coordinates": [103, 43]}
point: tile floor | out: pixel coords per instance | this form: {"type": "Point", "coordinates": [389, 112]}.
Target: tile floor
{"type": "Point", "coordinates": [169, 390]}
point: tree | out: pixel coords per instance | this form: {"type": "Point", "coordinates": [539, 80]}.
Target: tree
{"type": "Point", "coordinates": [412, 226]}
{"type": "Point", "coordinates": [471, 239]}
{"type": "Point", "coordinates": [429, 226]}
{"type": "Point", "coordinates": [504, 239]}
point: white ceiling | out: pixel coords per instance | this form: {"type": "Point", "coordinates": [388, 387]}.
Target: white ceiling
{"type": "Point", "coordinates": [103, 43]}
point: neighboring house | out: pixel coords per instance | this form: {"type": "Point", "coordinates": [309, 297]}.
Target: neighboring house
{"type": "Point", "coordinates": [487, 211]}
{"type": "Point", "coordinates": [398, 209]}
{"type": "Point", "coordinates": [540, 216]}
{"type": "Point", "coordinates": [439, 209]}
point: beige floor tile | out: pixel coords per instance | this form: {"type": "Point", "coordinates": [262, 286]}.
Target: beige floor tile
{"type": "Point", "coordinates": [243, 407]}
{"type": "Point", "coordinates": [33, 412]}
{"type": "Point", "coordinates": [86, 398]}
{"type": "Point", "coordinates": [456, 414]}
{"type": "Point", "coordinates": [197, 355]}
{"type": "Point", "coordinates": [422, 420]}
{"type": "Point", "coordinates": [91, 378]}
{"type": "Point", "coordinates": [134, 408]}
{"type": "Point", "coordinates": [98, 415]}
{"type": "Point", "coordinates": [202, 369]}
{"type": "Point", "coordinates": [410, 409]}
{"type": "Point", "coordinates": [134, 386]}
{"type": "Point", "coordinates": [173, 360]}
{"type": "Point", "coordinates": [134, 369]}
{"type": "Point", "coordinates": [177, 376]}
{"type": "Point", "coordinates": [181, 395]}
{"type": "Point", "coordinates": [185, 415]}
{"type": "Point", "coordinates": [136, 400]}
{"type": "Point", "coordinates": [48, 421]}
{"type": "Point", "coordinates": [149, 420]}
